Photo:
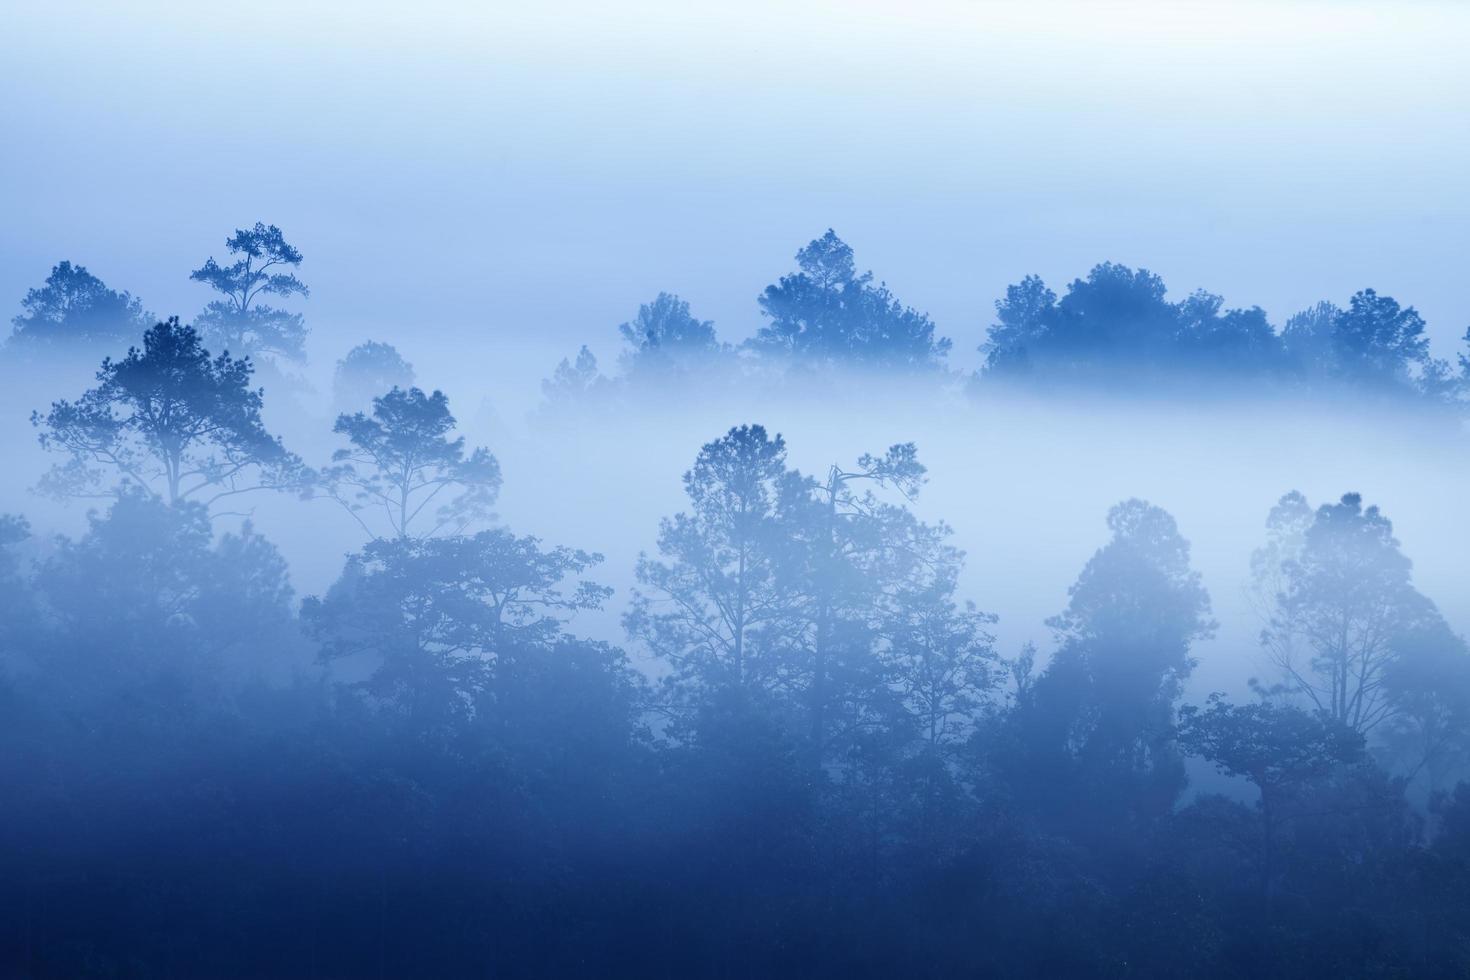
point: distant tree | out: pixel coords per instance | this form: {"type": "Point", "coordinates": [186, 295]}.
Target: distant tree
{"type": "Point", "coordinates": [75, 309]}
{"type": "Point", "coordinates": [666, 340]}
{"type": "Point", "coordinates": [1023, 321]}
{"type": "Point", "coordinates": [943, 661]}
{"type": "Point", "coordinates": [240, 323]}
{"type": "Point", "coordinates": [827, 314]}
{"type": "Point", "coordinates": [1308, 342]}
{"type": "Point", "coordinates": [1342, 608]}
{"type": "Point", "coordinates": [1118, 322]}
{"type": "Point", "coordinates": [1098, 723]}
{"type": "Point", "coordinates": [431, 614]}
{"type": "Point", "coordinates": [574, 383]}
{"type": "Point", "coordinates": [404, 466]}
{"type": "Point", "coordinates": [1117, 319]}
{"type": "Point", "coordinates": [1116, 313]}
{"type": "Point", "coordinates": [169, 420]}
{"type": "Point", "coordinates": [370, 369]}
{"type": "Point", "coordinates": [148, 589]}
{"type": "Point", "coordinates": [1375, 340]}
{"type": "Point", "coordinates": [1235, 341]}
{"type": "Point", "coordinates": [1438, 383]}
{"type": "Point", "coordinates": [713, 607]}
{"type": "Point", "coordinates": [857, 557]}
{"type": "Point", "coordinates": [1287, 525]}
{"type": "Point", "coordinates": [1277, 747]}
{"type": "Point", "coordinates": [937, 655]}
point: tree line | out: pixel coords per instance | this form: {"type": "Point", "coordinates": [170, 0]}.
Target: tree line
{"type": "Point", "coordinates": [1114, 329]}
{"type": "Point", "coordinates": [832, 769]}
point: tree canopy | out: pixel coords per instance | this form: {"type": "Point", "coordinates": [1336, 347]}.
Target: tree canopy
{"type": "Point", "coordinates": [241, 323]}
{"type": "Point", "coordinates": [74, 310]}
{"type": "Point", "coordinates": [828, 314]}
{"type": "Point", "coordinates": [404, 474]}
{"type": "Point", "coordinates": [168, 420]}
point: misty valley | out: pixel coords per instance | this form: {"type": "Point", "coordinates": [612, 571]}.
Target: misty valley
{"type": "Point", "coordinates": [1137, 652]}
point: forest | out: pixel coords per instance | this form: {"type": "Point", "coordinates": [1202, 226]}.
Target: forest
{"type": "Point", "coordinates": [780, 733]}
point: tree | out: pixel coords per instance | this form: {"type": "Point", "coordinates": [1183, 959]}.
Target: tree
{"type": "Point", "coordinates": [855, 552]}
{"type": "Point", "coordinates": [1377, 341]}
{"type": "Point", "coordinates": [1023, 319]}
{"type": "Point", "coordinates": [1237, 341]}
{"type": "Point", "coordinates": [148, 591]}
{"type": "Point", "coordinates": [1342, 608]}
{"type": "Point", "coordinates": [1308, 342]}
{"type": "Point", "coordinates": [1277, 747]}
{"type": "Point", "coordinates": [370, 369]}
{"type": "Point", "coordinates": [942, 659]}
{"type": "Point", "coordinates": [828, 315]}
{"type": "Point", "coordinates": [431, 614]}
{"type": "Point", "coordinates": [169, 420]}
{"type": "Point", "coordinates": [402, 460]}
{"type": "Point", "coordinates": [939, 657]}
{"type": "Point", "coordinates": [574, 384]}
{"type": "Point", "coordinates": [76, 309]}
{"type": "Point", "coordinates": [240, 322]}
{"type": "Point", "coordinates": [1098, 723]}
{"type": "Point", "coordinates": [666, 340]}
{"type": "Point", "coordinates": [1118, 323]}
{"type": "Point", "coordinates": [713, 607]}
{"type": "Point", "coordinates": [1117, 314]}
{"type": "Point", "coordinates": [1117, 319]}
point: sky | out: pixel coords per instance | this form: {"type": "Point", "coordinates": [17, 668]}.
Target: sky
{"type": "Point", "coordinates": [495, 184]}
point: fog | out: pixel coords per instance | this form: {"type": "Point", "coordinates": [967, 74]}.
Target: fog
{"type": "Point", "coordinates": [1024, 481]}
{"type": "Point", "coordinates": [735, 490]}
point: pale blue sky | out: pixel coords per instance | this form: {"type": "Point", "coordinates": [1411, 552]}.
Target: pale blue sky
{"type": "Point", "coordinates": [513, 183]}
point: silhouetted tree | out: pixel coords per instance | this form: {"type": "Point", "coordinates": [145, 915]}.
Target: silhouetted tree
{"type": "Point", "coordinates": [713, 608]}
{"type": "Point", "coordinates": [1277, 747]}
{"type": "Point", "coordinates": [148, 584]}
{"type": "Point", "coordinates": [1377, 341]}
{"type": "Point", "coordinates": [855, 552]}
{"type": "Point", "coordinates": [240, 323]}
{"type": "Point", "coordinates": [370, 369]}
{"type": "Point", "coordinates": [665, 341]}
{"type": "Point", "coordinates": [168, 420]}
{"type": "Point", "coordinates": [942, 659]}
{"type": "Point", "coordinates": [431, 614]}
{"type": "Point", "coordinates": [75, 309]}
{"type": "Point", "coordinates": [1238, 342]}
{"type": "Point", "coordinates": [1023, 319]}
{"type": "Point", "coordinates": [827, 314]}
{"type": "Point", "coordinates": [1118, 323]}
{"type": "Point", "coordinates": [574, 384]}
{"type": "Point", "coordinates": [1114, 318]}
{"type": "Point", "coordinates": [1098, 723]}
{"type": "Point", "coordinates": [1342, 608]}
{"type": "Point", "coordinates": [1308, 342]}
{"type": "Point", "coordinates": [938, 655]}
{"type": "Point", "coordinates": [404, 466]}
